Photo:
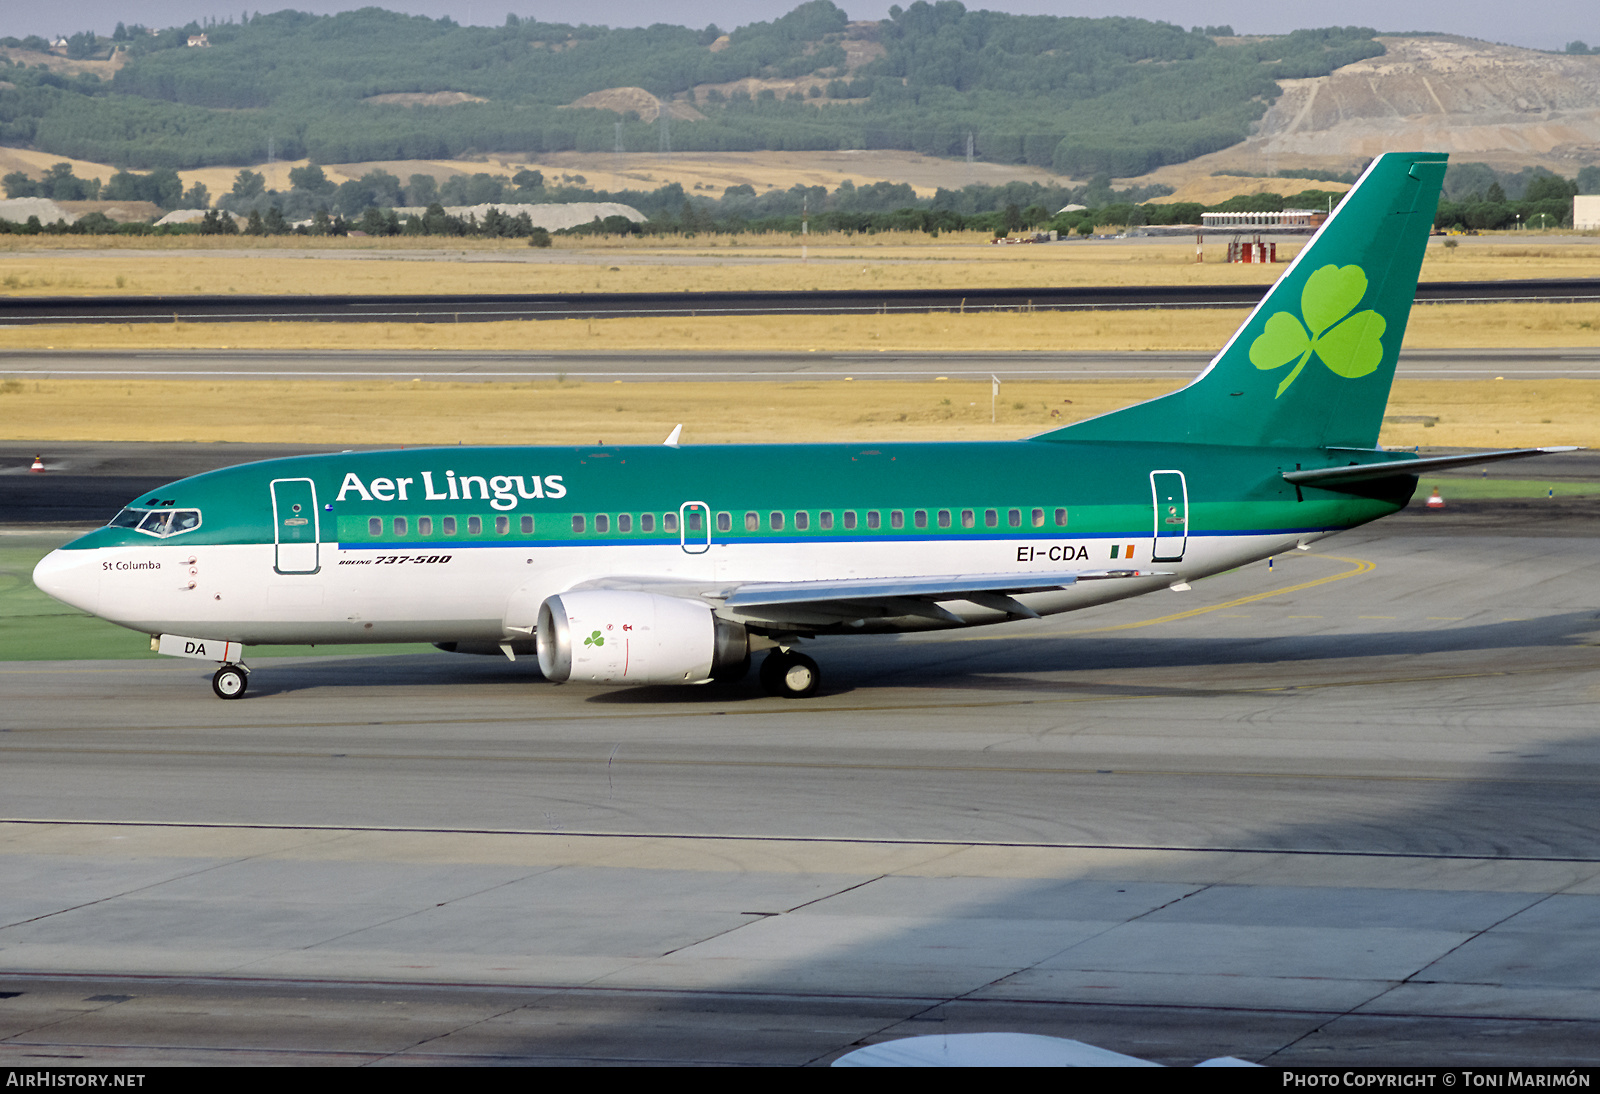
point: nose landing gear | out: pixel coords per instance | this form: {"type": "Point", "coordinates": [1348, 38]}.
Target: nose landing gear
{"type": "Point", "coordinates": [790, 675]}
{"type": "Point", "coordinates": [230, 681]}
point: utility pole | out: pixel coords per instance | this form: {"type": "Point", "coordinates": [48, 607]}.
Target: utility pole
{"type": "Point", "coordinates": [805, 223]}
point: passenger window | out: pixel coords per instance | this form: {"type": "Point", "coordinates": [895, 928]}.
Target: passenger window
{"type": "Point", "coordinates": [602, 523]}
{"type": "Point", "coordinates": [752, 522]}
{"type": "Point", "coordinates": [1015, 518]}
{"type": "Point", "coordinates": [777, 520]}
{"type": "Point", "coordinates": [873, 519]}
{"type": "Point", "coordinates": [375, 527]}
{"type": "Point", "coordinates": [802, 521]}
{"type": "Point", "coordinates": [502, 525]}
{"type": "Point", "coordinates": [897, 518]}
{"type": "Point", "coordinates": [669, 522]}
{"type": "Point", "coordinates": [724, 522]}
{"type": "Point", "coordinates": [696, 520]}
{"type": "Point", "coordinates": [647, 522]}
{"type": "Point", "coordinates": [399, 526]}
{"type": "Point", "coordinates": [474, 526]}
{"type": "Point", "coordinates": [825, 520]}
{"type": "Point", "coordinates": [527, 525]}
{"type": "Point", "coordinates": [1061, 518]}
{"type": "Point", "coordinates": [424, 526]}
{"type": "Point", "coordinates": [944, 518]}
{"type": "Point", "coordinates": [920, 518]}
{"type": "Point", "coordinates": [849, 520]}
{"type": "Point", "coordinates": [624, 522]}
{"type": "Point", "coordinates": [967, 520]}
{"type": "Point", "coordinates": [577, 522]}
{"type": "Point", "coordinates": [991, 519]}
{"type": "Point", "coordinates": [449, 524]}
{"type": "Point", "coordinates": [1038, 518]}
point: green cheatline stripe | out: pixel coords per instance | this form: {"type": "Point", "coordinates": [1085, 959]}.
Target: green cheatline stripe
{"type": "Point", "coordinates": [1468, 488]}
{"type": "Point", "coordinates": [34, 627]}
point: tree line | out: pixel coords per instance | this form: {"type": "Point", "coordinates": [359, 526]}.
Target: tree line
{"type": "Point", "coordinates": [1475, 196]}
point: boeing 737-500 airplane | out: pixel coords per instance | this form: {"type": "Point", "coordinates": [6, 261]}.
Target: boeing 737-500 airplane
{"type": "Point", "coordinates": [672, 564]}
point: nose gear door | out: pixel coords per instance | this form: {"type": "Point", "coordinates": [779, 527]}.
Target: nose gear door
{"type": "Point", "coordinates": [297, 526]}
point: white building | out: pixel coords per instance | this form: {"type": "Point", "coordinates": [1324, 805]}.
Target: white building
{"type": "Point", "coordinates": [1586, 211]}
{"type": "Point", "coordinates": [1289, 218]}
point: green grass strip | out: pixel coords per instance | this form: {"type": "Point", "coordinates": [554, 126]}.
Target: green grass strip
{"type": "Point", "coordinates": [1469, 488]}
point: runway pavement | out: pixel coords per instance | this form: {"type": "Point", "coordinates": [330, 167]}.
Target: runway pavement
{"type": "Point", "coordinates": [723, 366]}
{"type": "Point", "coordinates": [494, 307]}
{"type": "Point", "coordinates": [1338, 811]}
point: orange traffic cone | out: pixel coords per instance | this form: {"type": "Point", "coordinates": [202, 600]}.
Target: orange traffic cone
{"type": "Point", "coordinates": [1435, 501]}
{"type": "Point", "coordinates": [38, 464]}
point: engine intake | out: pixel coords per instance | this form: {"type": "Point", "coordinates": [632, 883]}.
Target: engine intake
{"type": "Point", "coordinates": [602, 636]}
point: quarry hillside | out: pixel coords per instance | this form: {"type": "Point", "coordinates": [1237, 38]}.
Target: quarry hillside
{"type": "Point", "coordinates": [1502, 105]}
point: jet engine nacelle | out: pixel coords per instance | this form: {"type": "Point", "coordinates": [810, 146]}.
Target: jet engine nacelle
{"type": "Point", "coordinates": [601, 636]}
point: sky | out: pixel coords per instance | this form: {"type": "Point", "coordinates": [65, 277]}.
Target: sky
{"type": "Point", "coordinates": [1551, 24]}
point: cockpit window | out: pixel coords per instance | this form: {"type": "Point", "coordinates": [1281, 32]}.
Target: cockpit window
{"type": "Point", "coordinates": [160, 523]}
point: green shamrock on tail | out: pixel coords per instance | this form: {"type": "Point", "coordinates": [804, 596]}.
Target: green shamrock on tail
{"type": "Point", "coordinates": [594, 640]}
{"type": "Point", "coordinates": [1350, 345]}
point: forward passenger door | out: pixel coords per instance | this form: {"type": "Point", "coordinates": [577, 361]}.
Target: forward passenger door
{"type": "Point", "coordinates": [297, 526]}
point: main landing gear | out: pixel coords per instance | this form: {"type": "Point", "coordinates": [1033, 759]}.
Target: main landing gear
{"type": "Point", "coordinates": [790, 675]}
{"type": "Point", "coordinates": [230, 681]}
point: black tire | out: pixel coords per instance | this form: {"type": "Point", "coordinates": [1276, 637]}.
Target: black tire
{"type": "Point", "coordinates": [230, 682]}
{"type": "Point", "coordinates": [790, 675]}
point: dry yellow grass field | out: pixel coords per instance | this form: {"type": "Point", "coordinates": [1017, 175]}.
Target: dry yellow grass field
{"type": "Point", "coordinates": [1435, 327]}
{"type": "Point", "coordinates": [1469, 412]}
{"type": "Point", "coordinates": [89, 266]}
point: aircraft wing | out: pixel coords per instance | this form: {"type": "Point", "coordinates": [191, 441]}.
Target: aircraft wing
{"type": "Point", "coordinates": [859, 598]}
{"type": "Point", "coordinates": [1364, 472]}
{"type": "Point", "coordinates": [819, 603]}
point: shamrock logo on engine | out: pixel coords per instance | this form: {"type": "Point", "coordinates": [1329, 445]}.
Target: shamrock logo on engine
{"type": "Point", "coordinates": [594, 640]}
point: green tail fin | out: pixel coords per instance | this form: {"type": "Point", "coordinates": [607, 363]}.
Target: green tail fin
{"type": "Point", "coordinates": [1312, 365]}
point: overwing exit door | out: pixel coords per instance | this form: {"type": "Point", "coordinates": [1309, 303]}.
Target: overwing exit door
{"type": "Point", "coordinates": [297, 526]}
{"type": "Point", "coordinates": [1170, 494]}
{"type": "Point", "coordinates": [694, 527]}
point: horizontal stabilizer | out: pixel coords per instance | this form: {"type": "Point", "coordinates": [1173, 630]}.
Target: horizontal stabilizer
{"type": "Point", "coordinates": [1366, 472]}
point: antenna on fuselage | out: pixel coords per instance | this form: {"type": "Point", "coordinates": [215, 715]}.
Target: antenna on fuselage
{"type": "Point", "coordinates": [672, 438]}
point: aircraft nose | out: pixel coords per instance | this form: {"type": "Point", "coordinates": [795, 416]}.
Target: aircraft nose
{"type": "Point", "coordinates": [72, 577]}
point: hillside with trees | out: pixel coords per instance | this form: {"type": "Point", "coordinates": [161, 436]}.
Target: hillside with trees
{"type": "Point", "coordinates": [1082, 96]}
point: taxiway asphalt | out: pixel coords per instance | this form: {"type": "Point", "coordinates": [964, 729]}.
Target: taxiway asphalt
{"type": "Point", "coordinates": [1338, 811]}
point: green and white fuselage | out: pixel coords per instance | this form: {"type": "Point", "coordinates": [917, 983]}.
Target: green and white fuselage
{"type": "Point", "coordinates": [369, 555]}
{"type": "Point", "coordinates": [669, 564]}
